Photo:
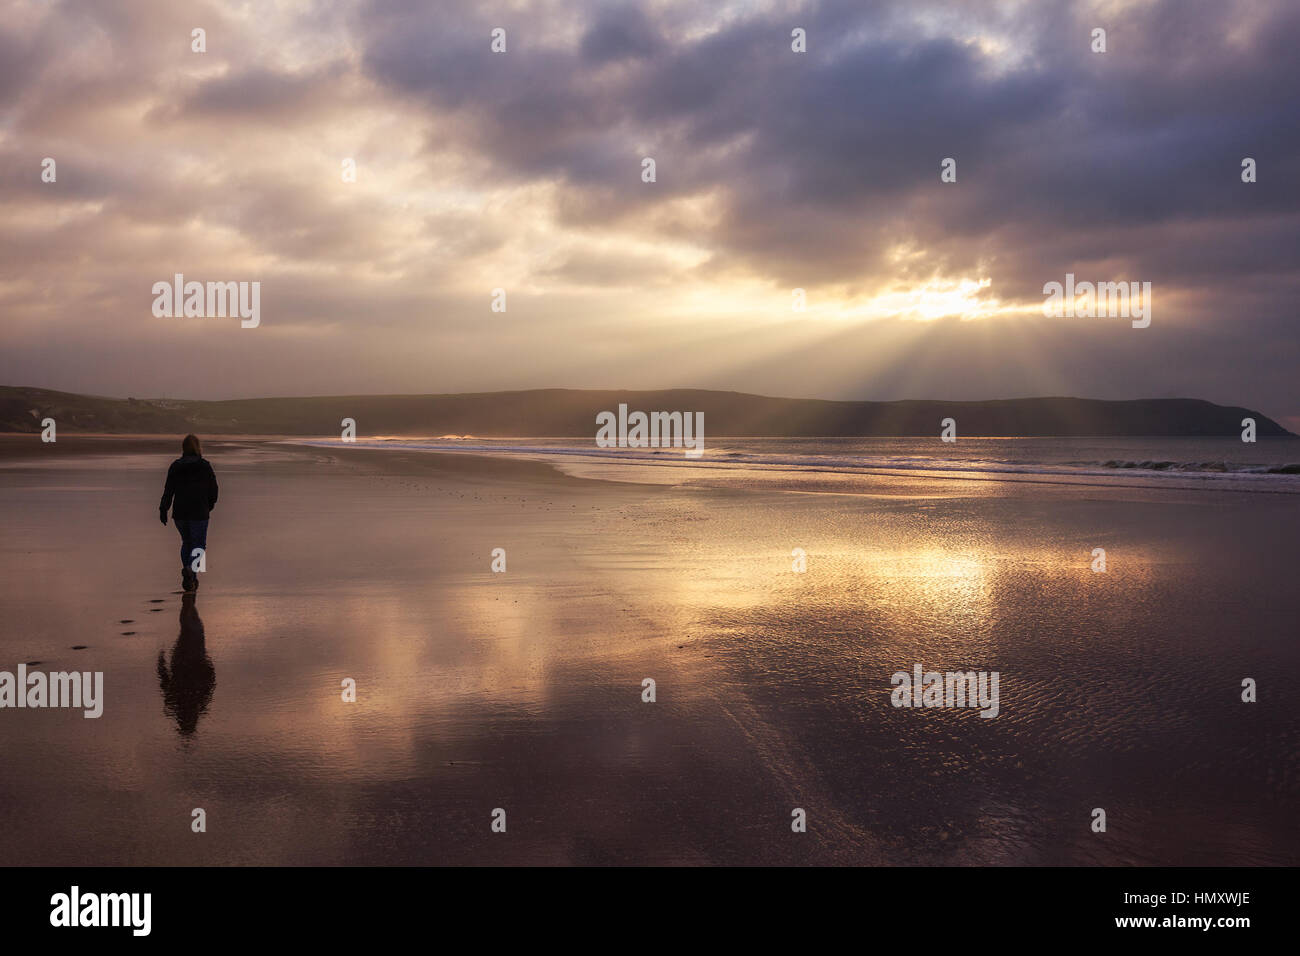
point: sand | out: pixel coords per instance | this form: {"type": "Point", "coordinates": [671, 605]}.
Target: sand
{"type": "Point", "coordinates": [523, 690]}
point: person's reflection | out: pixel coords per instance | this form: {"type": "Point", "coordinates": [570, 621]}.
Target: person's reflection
{"type": "Point", "coordinates": [187, 686]}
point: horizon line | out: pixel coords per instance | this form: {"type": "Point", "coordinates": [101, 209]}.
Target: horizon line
{"type": "Point", "coordinates": [587, 388]}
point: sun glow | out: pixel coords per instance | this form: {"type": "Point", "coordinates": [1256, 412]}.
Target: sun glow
{"type": "Point", "coordinates": [937, 298]}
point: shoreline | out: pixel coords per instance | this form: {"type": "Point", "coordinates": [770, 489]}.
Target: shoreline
{"type": "Point", "coordinates": [674, 471]}
{"type": "Point", "coordinates": [829, 477]}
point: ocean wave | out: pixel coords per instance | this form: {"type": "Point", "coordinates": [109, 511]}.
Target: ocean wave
{"type": "Point", "coordinates": [1194, 467]}
{"type": "Point", "coordinates": [1281, 475]}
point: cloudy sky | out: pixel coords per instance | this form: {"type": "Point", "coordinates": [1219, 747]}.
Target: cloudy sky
{"type": "Point", "coordinates": [775, 170]}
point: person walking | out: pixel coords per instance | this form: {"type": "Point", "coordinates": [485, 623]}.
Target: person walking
{"type": "Point", "coordinates": [191, 493]}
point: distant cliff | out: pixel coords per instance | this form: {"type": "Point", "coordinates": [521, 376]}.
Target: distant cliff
{"type": "Point", "coordinates": [563, 412]}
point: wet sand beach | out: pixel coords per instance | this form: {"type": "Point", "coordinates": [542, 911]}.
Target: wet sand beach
{"type": "Point", "coordinates": [522, 690]}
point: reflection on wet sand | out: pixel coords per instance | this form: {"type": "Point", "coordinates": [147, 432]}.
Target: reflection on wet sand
{"type": "Point", "coordinates": [523, 689]}
{"type": "Point", "coordinates": [188, 683]}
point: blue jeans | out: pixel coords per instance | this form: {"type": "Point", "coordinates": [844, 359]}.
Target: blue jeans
{"type": "Point", "coordinates": [194, 534]}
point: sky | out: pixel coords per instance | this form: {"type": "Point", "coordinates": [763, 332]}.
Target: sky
{"type": "Point", "coordinates": [774, 170]}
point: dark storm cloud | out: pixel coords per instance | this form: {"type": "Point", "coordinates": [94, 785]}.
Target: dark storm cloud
{"type": "Point", "coordinates": [620, 33]}
{"type": "Point", "coordinates": [825, 159]}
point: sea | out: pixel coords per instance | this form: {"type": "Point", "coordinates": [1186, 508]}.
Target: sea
{"type": "Point", "coordinates": [1271, 464]}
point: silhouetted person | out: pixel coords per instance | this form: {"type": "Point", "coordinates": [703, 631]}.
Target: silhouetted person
{"type": "Point", "coordinates": [191, 492]}
{"type": "Point", "coordinates": [187, 687]}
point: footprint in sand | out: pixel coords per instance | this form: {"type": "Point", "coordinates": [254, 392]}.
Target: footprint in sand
{"type": "Point", "coordinates": [126, 621]}
{"type": "Point", "coordinates": [127, 633]}
{"type": "Point", "coordinates": [79, 647]}
{"type": "Point", "coordinates": [154, 610]}
{"type": "Point", "coordinates": [157, 600]}
{"type": "Point", "coordinates": [32, 663]}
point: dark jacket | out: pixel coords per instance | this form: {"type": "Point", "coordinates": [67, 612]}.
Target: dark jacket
{"type": "Point", "coordinates": [191, 482]}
